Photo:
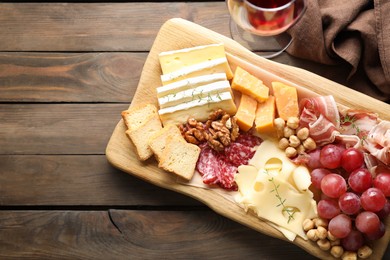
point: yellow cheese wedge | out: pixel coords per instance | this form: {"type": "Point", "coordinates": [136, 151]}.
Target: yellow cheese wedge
{"type": "Point", "coordinates": [246, 112]}
{"type": "Point", "coordinates": [286, 100]}
{"type": "Point", "coordinates": [265, 115]}
{"type": "Point", "coordinates": [249, 85]}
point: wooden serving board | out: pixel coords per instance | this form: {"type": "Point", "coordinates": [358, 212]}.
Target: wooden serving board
{"type": "Point", "coordinates": [177, 34]}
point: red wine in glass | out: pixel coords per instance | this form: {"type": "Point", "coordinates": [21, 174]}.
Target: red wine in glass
{"type": "Point", "coordinates": [266, 17]}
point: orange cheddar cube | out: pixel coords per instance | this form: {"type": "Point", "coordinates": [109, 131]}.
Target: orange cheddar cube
{"type": "Point", "coordinates": [286, 100]}
{"type": "Point", "coordinates": [249, 85]}
{"type": "Point", "coordinates": [265, 115]}
{"type": "Point", "coordinates": [246, 112]}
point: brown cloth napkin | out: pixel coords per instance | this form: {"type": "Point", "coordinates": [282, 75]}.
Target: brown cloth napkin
{"type": "Point", "coordinates": [356, 32]}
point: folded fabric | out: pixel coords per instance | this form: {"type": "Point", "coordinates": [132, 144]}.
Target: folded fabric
{"type": "Point", "coordinates": [353, 32]}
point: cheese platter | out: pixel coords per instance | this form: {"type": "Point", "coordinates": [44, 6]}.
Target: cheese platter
{"type": "Point", "coordinates": [178, 34]}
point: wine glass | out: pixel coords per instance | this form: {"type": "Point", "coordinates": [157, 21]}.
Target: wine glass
{"type": "Point", "coordinates": [263, 23]}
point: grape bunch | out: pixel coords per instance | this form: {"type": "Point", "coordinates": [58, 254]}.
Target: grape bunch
{"type": "Point", "coordinates": [352, 200]}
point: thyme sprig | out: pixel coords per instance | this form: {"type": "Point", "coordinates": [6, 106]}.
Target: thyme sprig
{"type": "Point", "coordinates": [352, 121]}
{"type": "Point", "coordinates": [290, 212]}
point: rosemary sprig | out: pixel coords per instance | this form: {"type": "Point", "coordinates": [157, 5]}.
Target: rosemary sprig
{"type": "Point", "coordinates": [290, 212]}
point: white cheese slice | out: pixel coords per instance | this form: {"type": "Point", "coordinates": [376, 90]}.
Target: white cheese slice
{"type": "Point", "coordinates": [194, 94]}
{"type": "Point", "coordinates": [219, 65]}
{"type": "Point", "coordinates": [189, 83]}
{"type": "Point", "coordinates": [198, 109]}
{"type": "Point", "coordinates": [173, 60]}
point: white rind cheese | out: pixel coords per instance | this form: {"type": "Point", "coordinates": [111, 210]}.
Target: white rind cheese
{"type": "Point", "coordinates": [194, 94]}
{"type": "Point", "coordinates": [199, 109]}
{"type": "Point", "coordinates": [189, 84]}
{"type": "Point", "coordinates": [219, 65]}
{"type": "Point", "coordinates": [174, 60]}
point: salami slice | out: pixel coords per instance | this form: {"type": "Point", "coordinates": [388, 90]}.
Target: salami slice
{"type": "Point", "coordinates": [248, 140]}
{"type": "Point", "coordinates": [238, 154]}
{"type": "Point", "coordinates": [208, 165]}
{"type": "Point", "coordinates": [220, 167]}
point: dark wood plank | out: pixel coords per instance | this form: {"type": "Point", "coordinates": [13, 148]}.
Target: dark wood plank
{"type": "Point", "coordinates": [98, 26]}
{"type": "Point", "coordinates": [54, 180]}
{"type": "Point", "coordinates": [69, 77]}
{"type": "Point", "coordinates": [134, 234]}
{"type": "Point", "coordinates": [57, 128]}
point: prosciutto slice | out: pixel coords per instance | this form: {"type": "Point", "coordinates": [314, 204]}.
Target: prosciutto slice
{"type": "Point", "coordinates": [378, 142]}
{"type": "Point", "coordinates": [321, 116]}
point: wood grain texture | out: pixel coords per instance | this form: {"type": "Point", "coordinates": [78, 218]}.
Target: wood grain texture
{"type": "Point", "coordinates": [120, 234]}
{"type": "Point", "coordinates": [177, 34]}
{"type": "Point", "coordinates": [69, 77]}
{"type": "Point", "coordinates": [72, 180]}
{"type": "Point", "coordinates": [57, 128]}
{"type": "Point", "coordinates": [98, 26]}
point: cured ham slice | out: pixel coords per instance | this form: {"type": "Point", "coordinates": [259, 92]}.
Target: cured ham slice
{"type": "Point", "coordinates": [358, 122]}
{"type": "Point", "coordinates": [378, 142]}
{"type": "Point", "coordinates": [321, 116]}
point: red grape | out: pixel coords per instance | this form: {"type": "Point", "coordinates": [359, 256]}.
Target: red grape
{"type": "Point", "coordinates": [340, 226]}
{"type": "Point", "coordinates": [314, 159]}
{"type": "Point", "coordinates": [328, 208]}
{"type": "Point", "coordinates": [349, 203]}
{"type": "Point", "coordinates": [353, 241]}
{"type": "Point", "coordinates": [333, 185]}
{"type": "Point", "coordinates": [317, 175]}
{"type": "Point", "coordinates": [377, 234]}
{"type": "Point", "coordinates": [367, 222]}
{"type": "Point", "coordinates": [383, 213]}
{"type": "Point", "coordinates": [373, 199]}
{"type": "Point", "coordinates": [360, 180]}
{"type": "Point", "coordinates": [330, 156]}
{"type": "Point", "coordinates": [352, 159]}
{"type": "Point", "coordinates": [382, 182]}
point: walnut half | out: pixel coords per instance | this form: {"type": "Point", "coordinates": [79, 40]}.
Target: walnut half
{"type": "Point", "coordinates": [219, 130]}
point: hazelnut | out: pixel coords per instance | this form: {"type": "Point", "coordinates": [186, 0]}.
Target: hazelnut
{"type": "Point", "coordinates": [364, 252]}
{"type": "Point", "coordinates": [309, 144]}
{"type": "Point", "coordinates": [320, 222]}
{"type": "Point", "coordinates": [312, 235]}
{"type": "Point", "coordinates": [322, 233]}
{"type": "Point", "coordinates": [294, 141]}
{"type": "Point", "coordinates": [283, 143]}
{"type": "Point", "coordinates": [293, 122]}
{"type": "Point", "coordinates": [331, 237]}
{"type": "Point", "coordinates": [303, 133]}
{"type": "Point", "coordinates": [279, 123]}
{"type": "Point", "coordinates": [323, 244]}
{"type": "Point", "coordinates": [348, 255]}
{"type": "Point", "coordinates": [337, 251]}
{"type": "Point", "coordinates": [287, 132]}
{"type": "Point", "coordinates": [290, 152]}
{"type": "Point", "coordinates": [300, 149]}
{"type": "Point", "coordinates": [308, 224]}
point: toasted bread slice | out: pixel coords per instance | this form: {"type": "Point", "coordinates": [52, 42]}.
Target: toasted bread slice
{"type": "Point", "coordinates": [136, 116]}
{"type": "Point", "coordinates": [179, 157]}
{"type": "Point", "coordinates": [158, 141]}
{"type": "Point", "coordinates": [141, 135]}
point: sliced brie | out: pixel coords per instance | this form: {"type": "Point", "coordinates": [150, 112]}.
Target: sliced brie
{"type": "Point", "coordinates": [189, 83]}
{"type": "Point", "coordinates": [198, 109]}
{"type": "Point", "coordinates": [219, 65]}
{"type": "Point", "coordinates": [194, 94]}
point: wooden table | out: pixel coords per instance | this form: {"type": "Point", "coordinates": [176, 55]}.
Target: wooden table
{"type": "Point", "coordinates": [67, 70]}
